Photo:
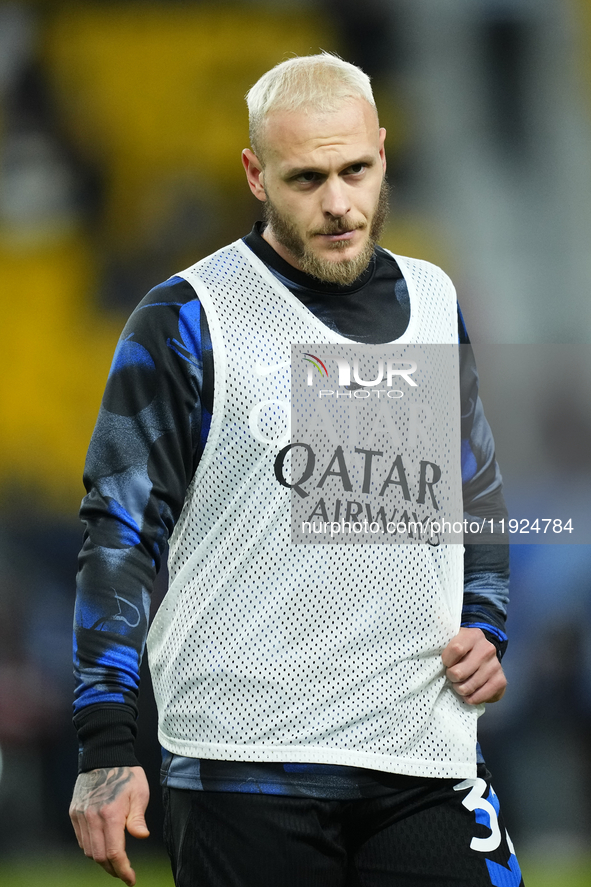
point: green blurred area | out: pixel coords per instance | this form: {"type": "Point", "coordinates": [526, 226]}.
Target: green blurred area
{"type": "Point", "coordinates": [73, 872]}
{"type": "Point", "coordinates": [80, 872]}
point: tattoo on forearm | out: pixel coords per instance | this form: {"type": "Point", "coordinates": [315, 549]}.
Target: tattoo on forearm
{"type": "Point", "coordinates": [100, 787]}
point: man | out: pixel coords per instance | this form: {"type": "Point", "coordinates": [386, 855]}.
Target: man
{"type": "Point", "coordinates": [299, 748]}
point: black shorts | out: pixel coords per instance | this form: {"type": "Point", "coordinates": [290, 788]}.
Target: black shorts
{"type": "Point", "coordinates": [425, 833]}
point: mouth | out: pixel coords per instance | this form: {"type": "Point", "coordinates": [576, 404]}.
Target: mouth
{"type": "Point", "coordinates": [338, 236]}
{"type": "Point", "coordinates": [341, 237]}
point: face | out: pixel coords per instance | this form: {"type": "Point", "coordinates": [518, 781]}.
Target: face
{"type": "Point", "coordinates": [323, 188]}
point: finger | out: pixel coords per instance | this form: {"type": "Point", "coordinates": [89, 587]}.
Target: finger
{"type": "Point", "coordinates": [462, 674]}
{"type": "Point", "coordinates": [470, 677]}
{"type": "Point", "coordinates": [490, 692]}
{"type": "Point", "coordinates": [467, 641]}
{"type": "Point", "coordinates": [475, 669]}
{"type": "Point", "coordinates": [120, 867]}
{"type": "Point", "coordinates": [106, 865]}
{"type": "Point", "coordinates": [96, 838]}
{"type": "Point", "coordinates": [115, 855]}
{"type": "Point", "coordinates": [482, 656]}
{"type": "Point", "coordinates": [491, 689]}
{"type": "Point", "coordinates": [113, 862]}
{"type": "Point", "coordinates": [136, 821]}
{"type": "Point", "coordinates": [486, 685]}
{"type": "Point", "coordinates": [456, 650]}
{"type": "Point", "coordinates": [101, 842]}
{"type": "Point", "coordinates": [86, 841]}
{"type": "Point", "coordinates": [136, 826]}
{"type": "Point", "coordinates": [76, 826]}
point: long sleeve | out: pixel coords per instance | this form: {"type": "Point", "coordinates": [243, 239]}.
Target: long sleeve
{"type": "Point", "coordinates": [486, 566]}
{"type": "Point", "coordinates": [150, 432]}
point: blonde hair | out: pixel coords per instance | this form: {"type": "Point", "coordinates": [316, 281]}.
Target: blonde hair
{"type": "Point", "coordinates": [320, 82]}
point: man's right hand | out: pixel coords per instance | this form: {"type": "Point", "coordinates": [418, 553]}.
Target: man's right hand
{"type": "Point", "coordinates": [104, 804]}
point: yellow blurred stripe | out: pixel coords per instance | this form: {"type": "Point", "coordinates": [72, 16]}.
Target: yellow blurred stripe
{"type": "Point", "coordinates": [57, 355]}
{"type": "Point", "coordinates": [163, 86]}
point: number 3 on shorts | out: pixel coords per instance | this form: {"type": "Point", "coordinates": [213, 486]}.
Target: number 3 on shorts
{"type": "Point", "coordinates": [474, 801]}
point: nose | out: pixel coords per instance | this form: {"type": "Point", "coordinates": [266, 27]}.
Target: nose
{"type": "Point", "coordinates": [335, 199]}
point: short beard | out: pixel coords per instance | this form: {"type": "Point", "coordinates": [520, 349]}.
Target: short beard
{"type": "Point", "coordinates": [344, 272]}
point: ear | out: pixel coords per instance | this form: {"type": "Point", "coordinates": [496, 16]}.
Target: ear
{"type": "Point", "coordinates": [381, 147]}
{"type": "Point", "coordinates": [254, 174]}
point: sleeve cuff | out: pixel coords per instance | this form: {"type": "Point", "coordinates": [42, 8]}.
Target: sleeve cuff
{"type": "Point", "coordinates": [106, 736]}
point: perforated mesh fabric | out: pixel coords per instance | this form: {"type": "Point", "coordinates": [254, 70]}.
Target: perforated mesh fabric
{"type": "Point", "coordinates": [263, 650]}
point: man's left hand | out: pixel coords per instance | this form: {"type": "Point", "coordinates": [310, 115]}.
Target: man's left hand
{"type": "Point", "coordinates": [472, 666]}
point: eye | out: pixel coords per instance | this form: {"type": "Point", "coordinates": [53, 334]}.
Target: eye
{"type": "Point", "coordinates": [307, 178]}
{"type": "Point", "coordinates": [356, 169]}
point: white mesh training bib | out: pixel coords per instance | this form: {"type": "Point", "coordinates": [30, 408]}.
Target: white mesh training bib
{"type": "Point", "coordinates": [264, 650]}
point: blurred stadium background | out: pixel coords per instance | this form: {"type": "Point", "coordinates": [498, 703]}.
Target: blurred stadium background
{"type": "Point", "coordinates": [121, 125]}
